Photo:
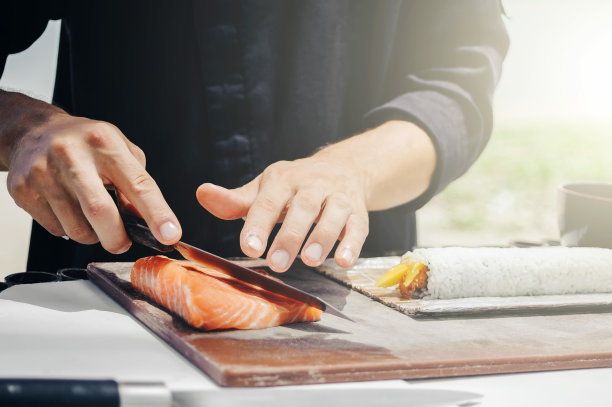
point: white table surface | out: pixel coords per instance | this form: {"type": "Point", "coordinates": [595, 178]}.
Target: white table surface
{"type": "Point", "coordinates": [73, 330]}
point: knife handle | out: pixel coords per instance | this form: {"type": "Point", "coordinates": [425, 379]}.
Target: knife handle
{"type": "Point", "coordinates": [135, 226]}
{"type": "Point", "coordinates": [82, 393]}
{"type": "Point", "coordinates": [138, 231]}
{"type": "Point", "coordinates": [59, 393]}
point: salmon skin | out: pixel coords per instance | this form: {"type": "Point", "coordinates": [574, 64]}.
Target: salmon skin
{"type": "Point", "coordinates": [207, 298]}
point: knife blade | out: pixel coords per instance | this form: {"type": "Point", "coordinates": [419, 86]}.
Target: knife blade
{"type": "Point", "coordinates": [138, 231]}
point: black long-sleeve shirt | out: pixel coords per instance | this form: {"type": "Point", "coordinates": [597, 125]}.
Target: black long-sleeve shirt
{"type": "Point", "coordinates": [214, 91]}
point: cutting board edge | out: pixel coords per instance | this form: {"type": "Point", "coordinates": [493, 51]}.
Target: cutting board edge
{"type": "Point", "coordinates": [459, 369]}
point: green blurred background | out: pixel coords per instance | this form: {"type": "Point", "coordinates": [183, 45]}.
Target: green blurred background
{"type": "Point", "coordinates": [510, 193]}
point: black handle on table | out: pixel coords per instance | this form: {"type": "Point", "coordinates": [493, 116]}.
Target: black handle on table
{"type": "Point", "coordinates": [59, 393]}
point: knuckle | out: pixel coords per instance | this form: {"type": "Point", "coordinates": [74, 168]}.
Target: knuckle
{"type": "Point", "coordinates": [308, 201]}
{"type": "Point", "coordinates": [359, 231]}
{"type": "Point", "coordinates": [100, 135]}
{"type": "Point", "coordinates": [25, 201]}
{"type": "Point", "coordinates": [275, 169]}
{"type": "Point", "coordinates": [340, 200]}
{"type": "Point", "coordinates": [142, 183]}
{"type": "Point", "coordinates": [269, 205]}
{"type": "Point", "coordinates": [94, 208]}
{"type": "Point", "coordinates": [61, 147]}
{"type": "Point", "coordinates": [82, 234]}
{"type": "Point", "coordinates": [358, 225]}
{"type": "Point", "coordinates": [17, 186]}
{"type": "Point", "coordinates": [22, 203]}
{"type": "Point", "coordinates": [291, 236]}
{"type": "Point", "coordinates": [325, 232]}
{"type": "Point", "coordinates": [139, 154]}
{"type": "Point", "coordinates": [38, 169]}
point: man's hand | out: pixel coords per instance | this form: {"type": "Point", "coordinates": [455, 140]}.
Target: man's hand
{"type": "Point", "coordinates": [60, 167]}
{"type": "Point", "coordinates": [332, 190]}
{"type": "Point", "coordinates": [299, 193]}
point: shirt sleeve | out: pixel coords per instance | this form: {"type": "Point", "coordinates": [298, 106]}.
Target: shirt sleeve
{"type": "Point", "coordinates": [21, 23]}
{"type": "Point", "coordinates": [446, 61]}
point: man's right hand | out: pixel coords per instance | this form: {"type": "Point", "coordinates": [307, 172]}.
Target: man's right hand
{"type": "Point", "coordinates": [60, 167]}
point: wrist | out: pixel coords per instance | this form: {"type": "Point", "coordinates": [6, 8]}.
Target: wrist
{"type": "Point", "coordinates": [20, 115]}
{"type": "Point", "coordinates": [393, 162]}
{"type": "Point", "coordinates": [402, 164]}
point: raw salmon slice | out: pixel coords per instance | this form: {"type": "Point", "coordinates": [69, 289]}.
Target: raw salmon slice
{"type": "Point", "coordinates": [210, 299]}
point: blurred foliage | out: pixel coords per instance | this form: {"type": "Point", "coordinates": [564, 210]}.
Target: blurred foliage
{"type": "Point", "coordinates": [511, 191]}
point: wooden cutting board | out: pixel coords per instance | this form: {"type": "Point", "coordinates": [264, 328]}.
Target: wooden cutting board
{"type": "Point", "coordinates": [381, 344]}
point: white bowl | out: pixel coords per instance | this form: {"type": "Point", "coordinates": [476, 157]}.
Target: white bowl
{"type": "Point", "coordinates": [585, 214]}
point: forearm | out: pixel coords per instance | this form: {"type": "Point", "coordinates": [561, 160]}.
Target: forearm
{"type": "Point", "coordinates": [395, 162]}
{"type": "Point", "coordinates": [18, 115]}
{"type": "Point", "coordinates": [449, 92]}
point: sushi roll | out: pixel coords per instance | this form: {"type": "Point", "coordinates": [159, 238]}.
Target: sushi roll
{"type": "Point", "coordinates": [461, 272]}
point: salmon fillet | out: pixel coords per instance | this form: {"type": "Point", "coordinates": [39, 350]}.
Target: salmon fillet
{"type": "Point", "coordinates": [208, 298]}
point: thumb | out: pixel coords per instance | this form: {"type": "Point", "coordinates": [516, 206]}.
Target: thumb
{"type": "Point", "coordinates": [226, 203]}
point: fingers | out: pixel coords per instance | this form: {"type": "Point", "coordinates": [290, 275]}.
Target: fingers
{"type": "Point", "coordinates": [299, 194]}
{"type": "Point", "coordinates": [100, 212]}
{"type": "Point", "coordinates": [225, 203]}
{"type": "Point", "coordinates": [130, 177]}
{"type": "Point", "coordinates": [265, 211]}
{"type": "Point", "coordinates": [325, 234]}
{"type": "Point", "coordinates": [303, 211]}
{"type": "Point", "coordinates": [43, 214]}
{"type": "Point", "coordinates": [355, 233]}
{"type": "Point", "coordinates": [335, 217]}
{"type": "Point", "coordinates": [55, 210]}
{"type": "Point", "coordinates": [43, 195]}
{"type": "Point", "coordinates": [59, 197]}
{"type": "Point", "coordinates": [74, 224]}
{"type": "Point", "coordinates": [47, 219]}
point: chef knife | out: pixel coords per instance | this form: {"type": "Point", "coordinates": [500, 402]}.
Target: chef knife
{"type": "Point", "coordinates": [138, 231]}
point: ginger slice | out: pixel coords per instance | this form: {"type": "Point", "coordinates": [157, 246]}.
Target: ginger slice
{"type": "Point", "coordinates": [410, 275]}
{"type": "Point", "coordinates": [393, 276]}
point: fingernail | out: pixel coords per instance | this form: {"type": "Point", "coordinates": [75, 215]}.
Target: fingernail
{"type": "Point", "coordinates": [65, 237]}
{"type": "Point", "coordinates": [314, 252]}
{"type": "Point", "coordinates": [169, 231]}
{"type": "Point", "coordinates": [254, 243]}
{"type": "Point", "coordinates": [280, 259]}
{"type": "Point", "coordinates": [347, 256]}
